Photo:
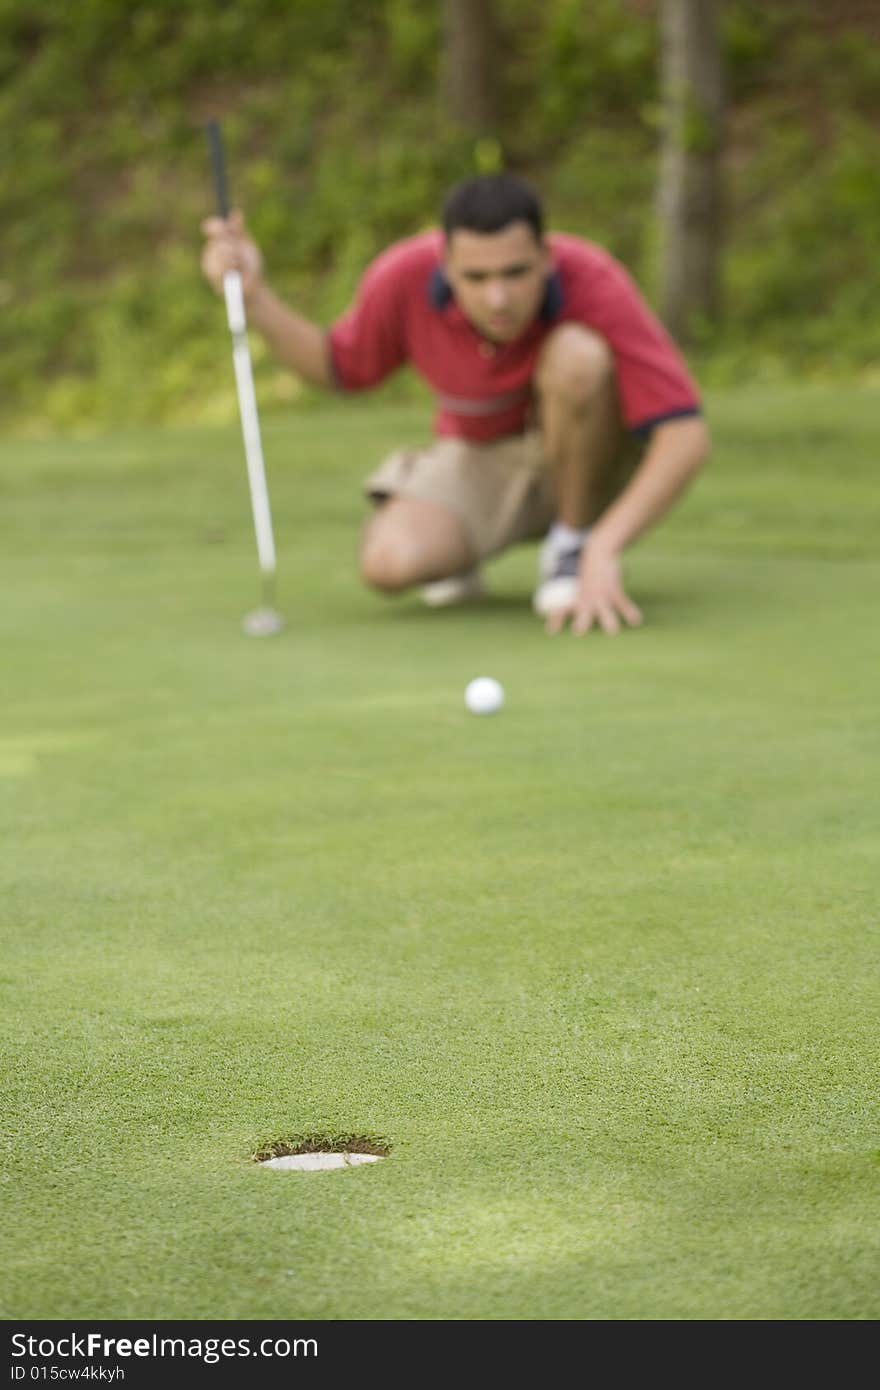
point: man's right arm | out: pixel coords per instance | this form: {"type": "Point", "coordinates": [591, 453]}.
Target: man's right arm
{"type": "Point", "coordinates": [295, 341]}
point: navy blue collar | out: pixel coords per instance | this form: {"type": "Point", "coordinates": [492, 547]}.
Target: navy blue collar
{"type": "Point", "coordinates": [440, 293]}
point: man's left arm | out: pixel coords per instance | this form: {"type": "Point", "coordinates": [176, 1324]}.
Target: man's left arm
{"type": "Point", "coordinates": [676, 453]}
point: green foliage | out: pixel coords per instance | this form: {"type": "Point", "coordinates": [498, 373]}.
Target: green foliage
{"type": "Point", "coordinates": [752, 33]}
{"type": "Point", "coordinates": [601, 186]}
{"type": "Point", "coordinates": [577, 64]}
{"type": "Point", "coordinates": [337, 144]}
{"type": "Point", "coordinates": [803, 271]}
{"type": "Point", "coordinates": [412, 38]}
{"type": "Point", "coordinates": [700, 134]}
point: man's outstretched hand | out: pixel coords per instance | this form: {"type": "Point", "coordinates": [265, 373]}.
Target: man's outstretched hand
{"type": "Point", "coordinates": [600, 600]}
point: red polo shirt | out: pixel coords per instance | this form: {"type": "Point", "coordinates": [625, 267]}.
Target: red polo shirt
{"type": "Point", "coordinates": [404, 312]}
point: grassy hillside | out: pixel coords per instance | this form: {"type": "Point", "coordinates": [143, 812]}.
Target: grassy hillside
{"type": "Point", "coordinates": [338, 143]}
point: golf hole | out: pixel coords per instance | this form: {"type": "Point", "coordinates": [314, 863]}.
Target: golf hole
{"type": "Point", "coordinates": [311, 1153]}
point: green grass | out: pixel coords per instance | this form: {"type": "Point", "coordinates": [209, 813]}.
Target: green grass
{"type": "Point", "coordinates": [601, 969]}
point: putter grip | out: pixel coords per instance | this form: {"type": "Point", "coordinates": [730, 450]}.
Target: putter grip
{"type": "Point", "coordinates": [215, 143]}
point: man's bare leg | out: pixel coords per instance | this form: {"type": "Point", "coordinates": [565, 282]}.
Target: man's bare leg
{"type": "Point", "coordinates": [580, 421]}
{"type": "Point", "coordinates": [582, 439]}
{"type": "Point", "coordinates": [411, 541]}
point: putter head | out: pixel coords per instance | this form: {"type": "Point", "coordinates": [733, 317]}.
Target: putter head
{"type": "Point", "coordinates": [262, 622]}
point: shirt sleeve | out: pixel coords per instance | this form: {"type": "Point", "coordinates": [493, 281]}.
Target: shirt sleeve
{"type": "Point", "coordinates": [653, 381]}
{"type": "Point", "coordinates": [368, 342]}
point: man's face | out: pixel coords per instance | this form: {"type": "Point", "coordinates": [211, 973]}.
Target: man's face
{"type": "Point", "coordinates": [498, 278]}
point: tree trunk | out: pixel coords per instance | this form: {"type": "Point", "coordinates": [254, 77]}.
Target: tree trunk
{"type": "Point", "coordinates": [467, 68]}
{"type": "Point", "coordinates": [689, 192]}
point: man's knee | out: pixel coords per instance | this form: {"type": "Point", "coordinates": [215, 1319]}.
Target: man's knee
{"type": "Point", "coordinates": [388, 560]}
{"type": "Point", "coordinates": [412, 541]}
{"type": "Point", "coordinates": [575, 366]}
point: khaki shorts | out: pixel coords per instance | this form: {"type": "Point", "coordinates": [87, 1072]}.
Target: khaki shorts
{"type": "Point", "coordinates": [501, 492]}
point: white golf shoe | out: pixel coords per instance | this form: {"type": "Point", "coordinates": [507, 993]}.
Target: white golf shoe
{"type": "Point", "coordinates": [557, 577]}
{"type": "Point", "coordinates": [458, 588]}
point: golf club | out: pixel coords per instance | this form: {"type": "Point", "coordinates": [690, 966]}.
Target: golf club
{"type": "Point", "coordinates": [266, 620]}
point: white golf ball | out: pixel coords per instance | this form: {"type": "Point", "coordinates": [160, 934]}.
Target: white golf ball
{"type": "Point", "coordinates": [484, 695]}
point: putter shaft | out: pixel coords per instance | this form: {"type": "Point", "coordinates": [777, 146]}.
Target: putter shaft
{"type": "Point", "coordinates": [244, 382]}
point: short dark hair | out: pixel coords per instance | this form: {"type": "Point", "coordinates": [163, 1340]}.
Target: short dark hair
{"type": "Point", "coordinates": [490, 202]}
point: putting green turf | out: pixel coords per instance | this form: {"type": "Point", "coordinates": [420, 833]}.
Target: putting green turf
{"type": "Point", "coordinates": [601, 969]}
